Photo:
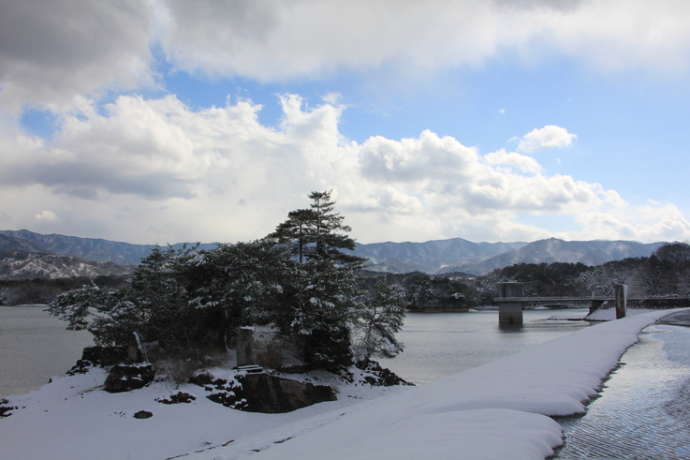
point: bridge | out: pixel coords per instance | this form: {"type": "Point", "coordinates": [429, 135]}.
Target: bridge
{"type": "Point", "coordinates": [511, 301]}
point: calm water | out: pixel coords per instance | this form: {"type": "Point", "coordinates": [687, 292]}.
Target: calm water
{"type": "Point", "coordinates": [644, 411]}
{"type": "Point", "coordinates": [439, 344]}
{"type": "Point", "coordinates": [34, 347]}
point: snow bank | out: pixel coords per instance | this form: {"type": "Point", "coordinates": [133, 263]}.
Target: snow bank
{"type": "Point", "coordinates": [72, 418]}
{"type": "Point", "coordinates": [609, 313]}
{"type": "Point", "coordinates": [602, 314]}
{"type": "Point", "coordinates": [499, 410]}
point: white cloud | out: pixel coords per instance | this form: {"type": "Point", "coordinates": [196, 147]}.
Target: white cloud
{"type": "Point", "coordinates": [521, 162]}
{"type": "Point", "coordinates": [84, 49]}
{"type": "Point", "coordinates": [155, 170]}
{"type": "Point", "coordinates": [272, 40]}
{"type": "Point", "coordinates": [51, 55]}
{"type": "Point", "coordinates": [46, 216]}
{"type": "Point", "coordinates": [550, 136]}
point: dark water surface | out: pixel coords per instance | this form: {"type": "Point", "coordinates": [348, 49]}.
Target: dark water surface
{"type": "Point", "coordinates": [644, 410]}
{"type": "Point", "coordinates": [34, 347]}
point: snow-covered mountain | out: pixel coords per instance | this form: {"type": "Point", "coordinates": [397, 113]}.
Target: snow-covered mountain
{"type": "Point", "coordinates": [95, 249]}
{"type": "Point", "coordinates": [437, 256]}
{"type": "Point", "coordinates": [550, 250]}
{"type": "Point", "coordinates": [15, 265]}
{"type": "Point", "coordinates": [430, 256]}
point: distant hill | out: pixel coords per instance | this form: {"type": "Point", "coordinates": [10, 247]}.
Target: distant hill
{"type": "Point", "coordinates": [16, 265]}
{"type": "Point", "coordinates": [593, 252]}
{"type": "Point", "coordinates": [430, 256]}
{"type": "Point", "coordinates": [94, 249]}
{"type": "Point", "coordinates": [437, 256]}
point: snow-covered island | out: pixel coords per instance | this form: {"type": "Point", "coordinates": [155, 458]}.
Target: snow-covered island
{"type": "Point", "coordinates": [499, 410]}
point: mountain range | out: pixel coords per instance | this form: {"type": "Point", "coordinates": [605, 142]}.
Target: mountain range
{"type": "Point", "coordinates": [96, 249]}
{"type": "Point", "coordinates": [31, 265]}
{"type": "Point", "coordinates": [594, 252]}
{"type": "Point", "coordinates": [437, 256]}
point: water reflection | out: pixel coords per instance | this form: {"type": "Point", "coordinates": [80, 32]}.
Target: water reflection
{"type": "Point", "coordinates": [644, 412]}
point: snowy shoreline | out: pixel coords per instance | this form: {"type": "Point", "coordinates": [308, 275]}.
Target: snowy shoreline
{"type": "Point", "coordinates": [499, 410]}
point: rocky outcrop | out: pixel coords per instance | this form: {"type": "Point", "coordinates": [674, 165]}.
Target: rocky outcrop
{"type": "Point", "coordinates": [177, 398]}
{"type": "Point", "coordinates": [82, 366]}
{"type": "Point", "coordinates": [264, 392]}
{"type": "Point", "coordinates": [5, 408]}
{"type": "Point", "coordinates": [267, 393]}
{"type": "Point", "coordinates": [375, 375]}
{"type": "Point", "coordinates": [104, 356]}
{"type": "Point", "coordinates": [127, 377]}
{"type": "Point", "coordinates": [143, 414]}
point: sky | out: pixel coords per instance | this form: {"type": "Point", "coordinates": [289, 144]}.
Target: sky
{"type": "Point", "coordinates": [160, 121]}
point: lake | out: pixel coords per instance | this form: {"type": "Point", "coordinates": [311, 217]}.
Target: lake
{"type": "Point", "coordinates": [35, 346]}
{"type": "Point", "coordinates": [440, 344]}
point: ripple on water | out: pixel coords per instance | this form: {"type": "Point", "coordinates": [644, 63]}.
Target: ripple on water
{"type": "Point", "coordinates": [644, 412]}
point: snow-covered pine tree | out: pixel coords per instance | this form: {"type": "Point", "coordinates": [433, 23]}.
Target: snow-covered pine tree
{"type": "Point", "coordinates": [330, 234]}
{"type": "Point", "coordinates": [325, 284]}
{"type": "Point", "coordinates": [243, 284]}
{"type": "Point", "coordinates": [110, 315]}
{"type": "Point", "coordinates": [377, 320]}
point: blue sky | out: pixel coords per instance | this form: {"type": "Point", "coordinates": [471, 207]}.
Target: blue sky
{"type": "Point", "coordinates": [493, 121]}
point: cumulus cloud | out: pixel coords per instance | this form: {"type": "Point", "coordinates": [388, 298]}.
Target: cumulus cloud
{"type": "Point", "coordinates": [272, 40]}
{"type": "Point", "coordinates": [521, 162]}
{"type": "Point", "coordinates": [550, 136]}
{"type": "Point", "coordinates": [76, 49]}
{"type": "Point", "coordinates": [156, 170]}
{"type": "Point", "coordinates": [52, 55]}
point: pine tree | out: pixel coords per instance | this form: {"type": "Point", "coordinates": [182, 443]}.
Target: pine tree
{"type": "Point", "coordinates": [317, 232]}
{"type": "Point", "coordinates": [330, 234]}
{"type": "Point", "coordinates": [324, 286]}
{"type": "Point", "coordinates": [379, 317]}
{"type": "Point", "coordinates": [297, 231]}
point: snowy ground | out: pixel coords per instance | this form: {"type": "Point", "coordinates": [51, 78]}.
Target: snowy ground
{"type": "Point", "coordinates": [499, 410]}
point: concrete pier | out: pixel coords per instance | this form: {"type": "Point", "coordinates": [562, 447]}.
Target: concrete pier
{"type": "Point", "coordinates": [510, 315]}
{"type": "Point", "coordinates": [621, 294]}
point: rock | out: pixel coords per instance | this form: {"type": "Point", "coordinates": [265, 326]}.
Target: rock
{"type": "Point", "coordinates": [5, 408]}
{"type": "Point", "coordinates": [143, 414]}
{"type": "Point", "coordinates": [379, 376]}
{"type": "Point", "coordinates": [104, 356]}
{"type": "Point", "coordinates": [126, 377]}
{"type": "Point", "coordinates": [204, 380]}
{"type": "Point", "coordinates": [270, 394]}
{"type": "Point", "coordinates": [81, 367]}
{"type": "Point", "coordinates": [178, 398]}
{"type": "Point", "coordinates": [265, 393]}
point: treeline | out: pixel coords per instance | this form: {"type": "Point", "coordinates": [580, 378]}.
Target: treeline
{"type": "Point", "coordinates": [666, 272]}
{"type": "Point", "coordinates": [422, 292]}
{"type": "Point", "coordinates": [43, 291]}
